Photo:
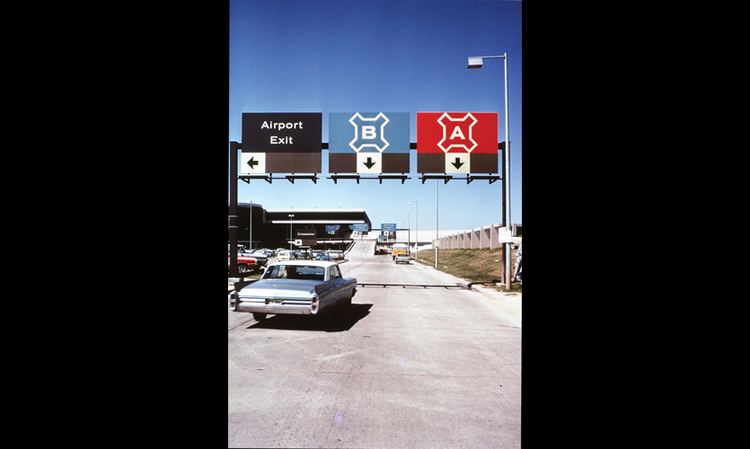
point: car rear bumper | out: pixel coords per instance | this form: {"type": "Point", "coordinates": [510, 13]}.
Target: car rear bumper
{"type": "Point", "coordinates": [278, 309]}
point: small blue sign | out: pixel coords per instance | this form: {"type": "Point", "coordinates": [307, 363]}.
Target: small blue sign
{"type": "Point", "coordinates": [362, 227]}
{"type": "Point", "coordinates": [388, 227]}
{"type": "Point", "coordinates": [331, 229]}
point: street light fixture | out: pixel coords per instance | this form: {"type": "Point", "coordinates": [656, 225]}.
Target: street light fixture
{"type": "Point", "coordinates": [476, 62]}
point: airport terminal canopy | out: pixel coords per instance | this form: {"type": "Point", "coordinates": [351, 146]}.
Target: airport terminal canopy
{"type": "Point", "coordinates": [318, 216]}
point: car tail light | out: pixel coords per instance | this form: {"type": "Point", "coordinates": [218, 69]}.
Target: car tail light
{"type": "Point", "coordinates": [314, 305]}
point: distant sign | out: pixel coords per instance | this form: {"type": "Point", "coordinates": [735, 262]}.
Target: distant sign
{"type": "Point", "coordinates": [306, 233]}
{"type": "Point", "coordinates": [388, 230]}
{"type": "Point", "coordinates": [368, 142]}
{"type": "Point", "coordinates": [281, 142]}
{"type": "Point", "coordinates": [388, 227]}
{"type": "Point", "coordinates": [457, 142]}
{"type": "Point", "coordinates": [332, 229]}
{"type": "Point", "coordinates": [360, 227]}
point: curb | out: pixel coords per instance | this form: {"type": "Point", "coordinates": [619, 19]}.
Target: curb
{"type": "Point", "coordinates": [484, 290]}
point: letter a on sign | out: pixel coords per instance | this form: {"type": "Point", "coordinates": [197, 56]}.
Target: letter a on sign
{"type": "Point", "coordinates": [460, 128]}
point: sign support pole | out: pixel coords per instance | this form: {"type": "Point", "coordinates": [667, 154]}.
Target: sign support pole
{"type": "Point", "coordinates": [436, 225]}
{"type": "Point", "coordinates": [506, 179]}
{"type": "Point", "coordinates": [233, 221]}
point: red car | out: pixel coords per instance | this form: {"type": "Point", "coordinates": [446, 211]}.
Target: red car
{"type": "Point", "coordinates": [244, 263]}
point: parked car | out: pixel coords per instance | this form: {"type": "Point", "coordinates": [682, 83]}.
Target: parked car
{"type": "Point", "coordinates": [244, 263]}
{"type": "Point", "coordinates": [260, 257]}
{"type": "Point", "coordinates": [322, 256]}
{"type": "Point", "coordinates": [335, 254]}
{"type": "Point", "coordinates": [269, 252]}
{"type": "Point", "coordinates": [285, 255]}
{"type": "Point", "coordinates": [296, 287]}
{"type": "Point", "coordinates": [399, 258]}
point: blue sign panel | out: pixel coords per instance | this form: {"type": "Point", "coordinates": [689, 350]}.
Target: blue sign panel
{"type": "Point", "coordinates": [364, 227]}
{"type": "Point", "coordinates": [331, 229]}
{"type": "Point", "coordinates": [388, 227]}
{"type": "Point", "coordinates": [368, 132]}
{"type": "Point", "coordinates": [368, 142]}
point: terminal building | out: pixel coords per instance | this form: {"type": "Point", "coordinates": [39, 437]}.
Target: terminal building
{"type": "Point", "coordinates": [305, 228]}
{"type": "Point", "coordinates": [332, 229]}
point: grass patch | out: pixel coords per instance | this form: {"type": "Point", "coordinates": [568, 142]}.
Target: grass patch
{"type": "Point", "coordinates": [476, 265]}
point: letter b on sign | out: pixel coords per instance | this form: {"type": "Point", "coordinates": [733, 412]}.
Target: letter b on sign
{"type": "Point", "coordinates": [368, 132]}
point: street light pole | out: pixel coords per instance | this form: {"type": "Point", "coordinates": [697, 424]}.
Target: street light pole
{"type": "Point", "coordinates": [251, 226]}
{"type": "Point", "coordinates": [416, 237]}
{"type": "Point", "coordinates": [408, 232]}
{"type": "Point", "coordinates": [476, 62]}
{"type": "Point", "coordinates": [506, 177]}
{"type": "Point", "coordinates": [291, 222]}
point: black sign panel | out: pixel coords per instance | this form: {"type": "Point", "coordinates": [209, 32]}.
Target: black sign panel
{"type": "Point", "coordinates": [282, 132]}
{"type": "Point", "coordinates": [306, 233]}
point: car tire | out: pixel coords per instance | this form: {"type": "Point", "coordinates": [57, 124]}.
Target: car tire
{"type": "Point", "coordinates": [259, 316]}
{"type": "Point", "coordinates": [242, 268]}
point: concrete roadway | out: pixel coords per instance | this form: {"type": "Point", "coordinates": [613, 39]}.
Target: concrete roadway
{"type": "Point", "coordinates": [403, 368]}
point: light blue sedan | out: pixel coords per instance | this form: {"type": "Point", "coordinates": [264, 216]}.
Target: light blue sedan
{"type": "Point", "coordinates": [302, 287]}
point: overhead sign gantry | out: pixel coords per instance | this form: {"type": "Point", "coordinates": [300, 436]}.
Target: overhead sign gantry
{"type": "Point", "coordinates": [362, 143]}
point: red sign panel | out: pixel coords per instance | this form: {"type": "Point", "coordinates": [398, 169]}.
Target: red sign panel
{"type": "Point", "coordinates": [457, 132]}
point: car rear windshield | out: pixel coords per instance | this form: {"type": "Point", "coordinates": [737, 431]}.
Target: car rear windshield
{"type": "Point", "coordinates": [305, 272]}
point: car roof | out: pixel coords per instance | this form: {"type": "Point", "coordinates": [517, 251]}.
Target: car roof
{"type": "Point", "coordinates": [314, 263]}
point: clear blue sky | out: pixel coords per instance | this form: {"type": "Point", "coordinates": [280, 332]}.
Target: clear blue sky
{"type": "Point", "coordinates": [378, 55]}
